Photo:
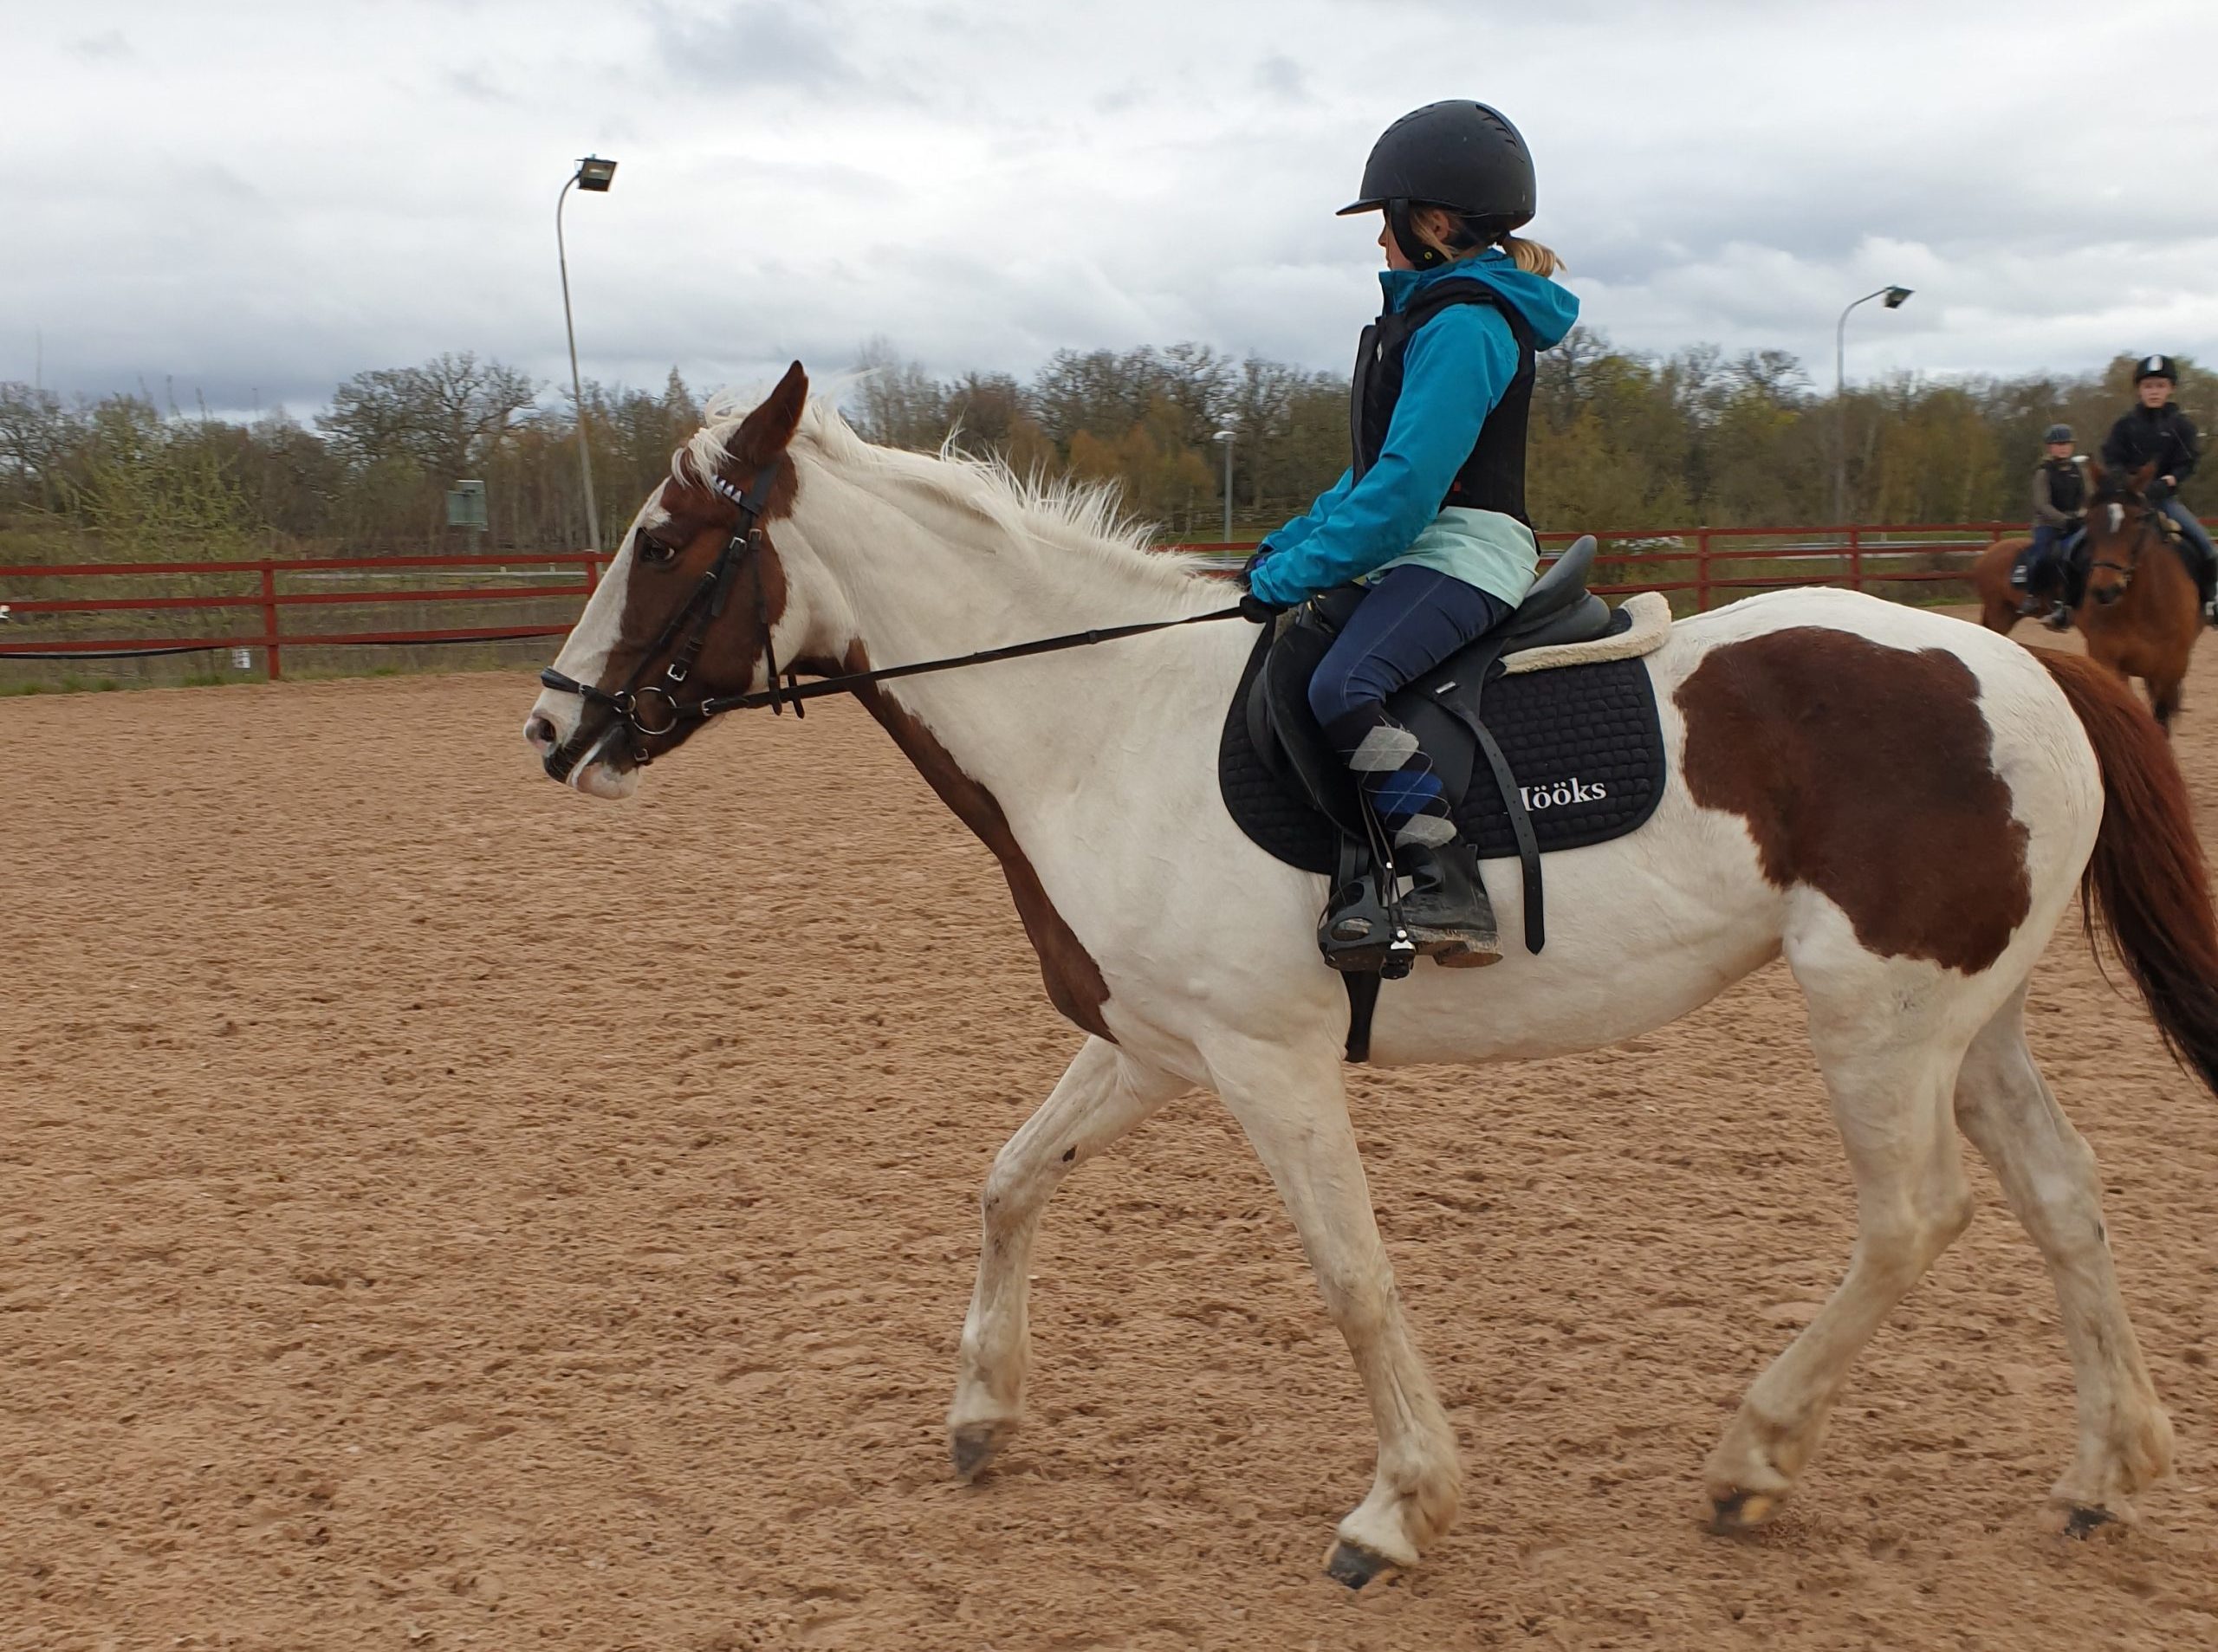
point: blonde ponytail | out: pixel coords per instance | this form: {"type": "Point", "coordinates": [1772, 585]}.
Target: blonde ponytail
{"type": "Point", "coordinates": [1532, 257]}
{"type": "Point", "coordinates": [1452, 238]}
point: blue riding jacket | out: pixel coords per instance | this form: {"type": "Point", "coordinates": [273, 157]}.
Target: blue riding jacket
{"type": "Point", "coordinates": [1457, 366]}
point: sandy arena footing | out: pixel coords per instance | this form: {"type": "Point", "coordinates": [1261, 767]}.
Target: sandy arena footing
{"type": "Point", "coordinates": [437, 1210]}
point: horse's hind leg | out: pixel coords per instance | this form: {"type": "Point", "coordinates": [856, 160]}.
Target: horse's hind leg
{"type": "Point", "coordinates": [2048, 1175]}
{"type": "Point", "coordinates": [1101, 1096]}
{"type": "Point", "coordinates": [1890, 1072]}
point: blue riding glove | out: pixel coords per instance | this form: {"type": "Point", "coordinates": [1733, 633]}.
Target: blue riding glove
{"type": "Point", "coordinates": [1259, 609]}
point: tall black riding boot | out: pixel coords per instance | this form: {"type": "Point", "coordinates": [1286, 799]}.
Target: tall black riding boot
{"type": "Point", "coordinates": [1447, 911]}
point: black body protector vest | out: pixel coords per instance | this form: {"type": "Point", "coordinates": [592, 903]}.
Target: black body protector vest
{"type": "Point", "coordinates": [1493, 478]}
{"type": "Point", "coordinates": [2067, 486]}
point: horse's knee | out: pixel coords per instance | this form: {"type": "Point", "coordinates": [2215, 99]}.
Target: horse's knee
{"type": "Point", "coordinates": [1010, 1193]}
{"type": "Point", "coordinates": [1903, 1245]}
{"type": "Point", "coordinates": [1359, 1300]}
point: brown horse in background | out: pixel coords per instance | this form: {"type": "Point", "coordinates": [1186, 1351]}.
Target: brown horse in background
{"type": "Point", "coordinates": [1998, 598]}
{"type": "Point", "coordinates": [2141, 615]}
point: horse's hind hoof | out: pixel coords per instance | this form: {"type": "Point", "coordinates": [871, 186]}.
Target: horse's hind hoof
{"type": "Point", "coordinates": [974, 1445]}
{"type": "Point", "coordinates": [1355, 1567]}
{"type": "Point", "coordinates": [1740, 1511]}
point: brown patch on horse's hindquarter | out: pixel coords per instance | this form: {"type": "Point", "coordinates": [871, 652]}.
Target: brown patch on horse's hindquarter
{"type": "Point", "coordinates": [1072, 977]}
{"type": "Point", "coordinates": [1867, 773]}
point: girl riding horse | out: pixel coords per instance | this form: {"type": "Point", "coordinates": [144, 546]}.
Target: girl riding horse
{"type": "Point", "coordinates": [1432, 515]}
{"type": "Point", "coordinates": [2061, 485]}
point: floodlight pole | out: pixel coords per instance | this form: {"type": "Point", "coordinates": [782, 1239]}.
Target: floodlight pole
{"type": "Point", "coordinates": [1894, 295]}
{"type": "Point", "coordinates": [1225, 438]}
{"type": "Point", "coordinates": [577, 386]}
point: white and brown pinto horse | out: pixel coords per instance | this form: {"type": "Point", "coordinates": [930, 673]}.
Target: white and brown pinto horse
{"type": "Point", "coordinates": [1898, 802]}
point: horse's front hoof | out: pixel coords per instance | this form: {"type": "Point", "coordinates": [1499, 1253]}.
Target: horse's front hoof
{"type": "Point", "coordinates": [1353, 1567]}
{"type": "Point", "coordinates": [1740, 1511]}
{"type": "Point", "coordinates": [974, 1445]}
{"type": "Point", "coordinates": [2085, 1520]}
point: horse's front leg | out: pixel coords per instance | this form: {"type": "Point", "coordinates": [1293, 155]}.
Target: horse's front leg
{"type": "Point", "coordinates": [1102, 1094]}
{"type": "Point", "coordinates": [1290, 1102]}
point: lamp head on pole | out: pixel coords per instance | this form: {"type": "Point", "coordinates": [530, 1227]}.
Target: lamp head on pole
{"type": "Point", "coordinates": [1224, 436]}
{"type": "Point", "coordinates": [1893, 299]}
{"type": "Point", "coordinates": [596, 174]}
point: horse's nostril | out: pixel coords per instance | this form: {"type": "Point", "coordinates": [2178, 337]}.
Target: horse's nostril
{"type": "Point", "coordinates": [539, 731]}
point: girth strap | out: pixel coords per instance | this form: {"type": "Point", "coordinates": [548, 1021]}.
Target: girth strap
{"type": "Point", "coordinates": [1521, 826]}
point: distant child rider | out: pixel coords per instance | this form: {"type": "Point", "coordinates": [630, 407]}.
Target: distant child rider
{"type": "Point", "coordinates": [2061, 489]}
{"type": "Point", "coordinates": [2157, 431]}
{"type": "Point", "coordinates": [1432, 513]}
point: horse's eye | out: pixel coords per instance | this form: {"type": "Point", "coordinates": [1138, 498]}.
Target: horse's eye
{"type": "Point", "coordinates": [653, 552]}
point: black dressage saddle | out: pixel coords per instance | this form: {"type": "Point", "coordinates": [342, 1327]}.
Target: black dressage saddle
{"type": "Point", "coordinates": [1540, 760]}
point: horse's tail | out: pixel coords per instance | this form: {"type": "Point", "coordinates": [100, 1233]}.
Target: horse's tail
{"type": "Point", "coordinates": [2147, 883]}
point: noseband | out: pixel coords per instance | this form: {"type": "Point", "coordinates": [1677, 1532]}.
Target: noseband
{"type": "Point", "coordinates": [651, 709]}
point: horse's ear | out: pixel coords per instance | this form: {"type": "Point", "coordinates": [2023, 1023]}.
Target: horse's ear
{"type": "Point", "coordinates": [2095, 477]}
{"type": "Point", "coordinates": [763, 433]}
{"type": "Point", "coordinates": [2143, 476]}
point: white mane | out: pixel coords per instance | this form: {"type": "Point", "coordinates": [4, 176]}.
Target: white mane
{"type": "Point", "coordinates": [1053, 514]}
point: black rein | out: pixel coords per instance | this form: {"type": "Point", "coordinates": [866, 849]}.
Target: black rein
{"type": "Point", "coordinates": [630, 701]}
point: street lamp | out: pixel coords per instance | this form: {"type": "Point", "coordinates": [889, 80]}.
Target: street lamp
{"type": "Point", "coordinates": [1894, 297]}
{"type": "Point", "coordinates": [593, 175]}
{"type": "Point", "coordinates": [1224, 437]}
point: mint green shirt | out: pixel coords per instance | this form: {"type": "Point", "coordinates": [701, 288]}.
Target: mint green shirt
{"type": "Point", "coordinates": [1495, 553]}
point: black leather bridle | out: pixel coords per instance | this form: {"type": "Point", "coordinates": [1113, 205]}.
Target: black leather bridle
{"type": "Point", "coordinates": [633, 702]}
{"type": "Point", "coordinates": [689, 630]}
{"type": "Point", "coordinates": [2132, 563]}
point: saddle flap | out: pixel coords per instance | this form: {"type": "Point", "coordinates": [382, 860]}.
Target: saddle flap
{"type": "Point", "coordinates": [1440, 707]}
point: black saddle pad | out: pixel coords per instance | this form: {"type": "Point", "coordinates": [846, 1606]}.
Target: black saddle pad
{"type": "Point", "coordinates": [1583, 741]}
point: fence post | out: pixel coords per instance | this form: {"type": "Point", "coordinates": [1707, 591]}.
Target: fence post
{"type": "Point", "coordinates": [1855, 558]}
{"type": "Point", "coordinates": [1702, 572]}
{"type": "Point", "coordinates": [269, 619]}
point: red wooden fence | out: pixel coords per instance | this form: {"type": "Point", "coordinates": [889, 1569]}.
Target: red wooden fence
{"type": "Point", "coordinates": [270, 602]}
{"type": "Point", "coordinates": [1707, 562]}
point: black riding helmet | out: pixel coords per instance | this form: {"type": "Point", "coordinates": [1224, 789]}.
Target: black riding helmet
{"type": "Point", "coordinates": [2154, 367]}
{"type": "Point", "coordinates": [1457, 154]}
{"type": "Point", "coordinates": [2058, 433]}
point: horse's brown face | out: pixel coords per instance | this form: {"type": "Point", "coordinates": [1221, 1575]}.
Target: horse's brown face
{"type": "Point", "coordinates": [2120, 524]}
{"type": "Point", "coordinates": [659, 629]}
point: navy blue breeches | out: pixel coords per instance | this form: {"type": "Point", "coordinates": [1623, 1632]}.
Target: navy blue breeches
{"type": "Point", "coordinates": [1413, 618]}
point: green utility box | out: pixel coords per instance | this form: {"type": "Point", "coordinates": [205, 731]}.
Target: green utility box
{"type": "Point", "coordinates": [466, 505]}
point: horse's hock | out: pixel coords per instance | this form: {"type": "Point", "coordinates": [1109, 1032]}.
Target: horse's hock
{"type": "Point", "coordinates": [438, 1207]}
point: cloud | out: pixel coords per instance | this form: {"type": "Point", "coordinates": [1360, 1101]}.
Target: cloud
{"type": "Point", "coordinates": [1282, 77]}
{"type": "Point", "coordinates": [755, 43]}
{"type": "Point", "coordinates": [106, 48]}
{"type": "Point", "coordinates": [986, 184]}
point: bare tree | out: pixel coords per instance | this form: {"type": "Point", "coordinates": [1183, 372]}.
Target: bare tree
{"type": "Point", "coordinates": [446, 415]}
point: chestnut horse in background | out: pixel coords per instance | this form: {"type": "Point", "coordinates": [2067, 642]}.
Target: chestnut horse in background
{"type": "Point", "coordinates": [1998, 598]}
{"type": "Point", "coordinates": [2140, 614]}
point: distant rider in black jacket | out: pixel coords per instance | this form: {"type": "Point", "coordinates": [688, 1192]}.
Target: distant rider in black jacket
{"type": "Point", "coordinates": [2156, 431]}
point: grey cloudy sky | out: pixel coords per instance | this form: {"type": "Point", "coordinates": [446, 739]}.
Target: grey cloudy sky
{"type": "Point", "coordinates": [255, 200]}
